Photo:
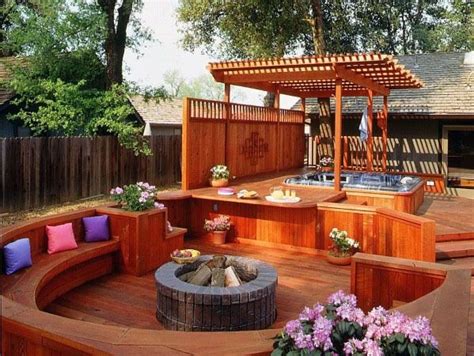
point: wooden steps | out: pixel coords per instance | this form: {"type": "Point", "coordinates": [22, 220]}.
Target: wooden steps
{"type": "Point", "coordinates": [454, 249]}
{"type": "Point", "coordinates": [464, 262]}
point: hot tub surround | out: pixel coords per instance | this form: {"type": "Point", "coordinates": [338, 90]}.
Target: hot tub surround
{"type": "Point", "coordinates": [184, 306]}
{"type": "Point", "coordinates": [357, 180]}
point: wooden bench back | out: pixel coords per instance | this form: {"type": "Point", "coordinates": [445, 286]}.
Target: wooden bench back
{"type": "Point", "coordinates": [35, 229]}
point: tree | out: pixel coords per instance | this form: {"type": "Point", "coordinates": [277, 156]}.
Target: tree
{"type": "Point", "coordinates": [259, 28]}
{"type": "Point", "coordinates": [63, 85]}
{"type": "Point", "coordinates": [118, 17]}
{"type": "Point", "coordinates": [174, 82]}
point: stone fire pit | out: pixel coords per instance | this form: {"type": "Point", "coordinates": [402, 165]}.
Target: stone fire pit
{"type": "Point", "coordinates": [188, 307]}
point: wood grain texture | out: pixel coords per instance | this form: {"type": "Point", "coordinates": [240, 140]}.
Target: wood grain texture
{"type": "Point", "coordinates": [440, 293]}
{"type": "Point", "coordinates": [244, 137]}
{"type": "Point", "coordinates": [143, 238]}
{"type": "Point", "coordinates": [39, 171]}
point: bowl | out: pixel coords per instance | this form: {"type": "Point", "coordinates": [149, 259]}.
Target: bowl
{"type": "Point", "coordinates": [186, 260]}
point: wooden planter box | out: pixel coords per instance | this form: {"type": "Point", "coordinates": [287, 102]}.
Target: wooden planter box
{"type": "Point", "coordinates": [145, 244]}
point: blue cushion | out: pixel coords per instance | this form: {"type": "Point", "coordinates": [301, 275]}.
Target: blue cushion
{"type": "Point", "coordinates": [17, 255]}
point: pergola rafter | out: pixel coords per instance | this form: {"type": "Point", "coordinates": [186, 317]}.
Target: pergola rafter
{"type": "Point", "coordinates": [323, 76]}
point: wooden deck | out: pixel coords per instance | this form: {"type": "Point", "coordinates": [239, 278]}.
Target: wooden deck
{"type": "Point", "coordinates": [120, 299]}
{"type": "Point", "coordinates": [454, 216]}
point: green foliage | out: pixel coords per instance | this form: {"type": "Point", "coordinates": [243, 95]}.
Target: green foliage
{"type": "Point", "coordinates": [61, 83]}
{"type": "Point", "coordinates": [262, 28]}
{"type": "Point", "coordinates": [241, 29]}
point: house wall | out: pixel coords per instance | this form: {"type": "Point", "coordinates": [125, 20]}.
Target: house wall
{"type": "Point", "coordinates": [414, 145]}
{"type": "Point", "coordinates": [11, 129]}
{"type": "Point", "coordinates": [158, 130]}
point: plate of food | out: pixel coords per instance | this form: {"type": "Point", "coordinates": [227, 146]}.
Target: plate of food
{"type": "Point", "coordinates": [283, 199]}
{"type": "Point", "coordinates": [247, 194]}
{"type": "Point", "coordinates": [225, 191]}
{"type": "Point", "coordinates": [185, 256]}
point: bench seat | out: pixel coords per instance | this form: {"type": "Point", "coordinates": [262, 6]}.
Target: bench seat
{"type": "Point", "coordinates": [53, 275]}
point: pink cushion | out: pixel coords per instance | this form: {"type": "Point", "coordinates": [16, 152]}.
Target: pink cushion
{"type": "Point", "coordinates": [60, 238]}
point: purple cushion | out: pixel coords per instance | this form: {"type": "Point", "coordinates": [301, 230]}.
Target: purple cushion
{"type": "Point", "coordinates": [17, 255]}
{"type": "Point", "coordinates": [96, 228]}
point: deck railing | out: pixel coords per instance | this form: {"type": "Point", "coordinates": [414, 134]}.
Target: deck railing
{"type": "Point", "coordinates": [203, 109]}
{"type": "Point", "coordinates": [354, 152]}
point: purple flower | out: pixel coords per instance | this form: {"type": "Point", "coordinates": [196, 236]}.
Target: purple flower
{"type": "Point", "coordinates": [159, 205]}
{"type": "Point", "coordinates": [348, 312]}
{"type": "Point", "coordinates": [311, 314]}
{"type": "Point", "coordinates": [366, 346]}
{"type": "Point", "coordinates": [340, 297]}
{"type": "Point", "coordinates": [144, 195]}
{"type": "Point", "coordinates": [293, 327]}
{"type": "Point", "coordinates": [322, 329]}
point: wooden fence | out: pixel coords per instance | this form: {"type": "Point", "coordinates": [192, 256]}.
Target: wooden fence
{"type": "Point", "coordinates": [41, 171]}
{"type": "Point", "coordinates": [248, 139]}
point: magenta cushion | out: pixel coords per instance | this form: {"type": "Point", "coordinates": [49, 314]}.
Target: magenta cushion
{"type": "Point", "coordinates": [17, 255]}
{"type": "Point", "coordinates": [60, 238]}
{"type": "Point", "coordinates": [96, 228]}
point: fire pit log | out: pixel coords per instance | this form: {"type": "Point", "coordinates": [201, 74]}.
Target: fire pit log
{"type": "Point", "coordinates": [218, 277]}
{"type": "Point", "coordinates": [246, 272]}
{"type": "Point", "coordinates": [201, 276]}
{"type": "Point", "coordinates": [231, 277]}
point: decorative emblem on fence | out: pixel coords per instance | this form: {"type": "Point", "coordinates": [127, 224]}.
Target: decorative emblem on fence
{"type": "Point", "coordinates": [254, 148]}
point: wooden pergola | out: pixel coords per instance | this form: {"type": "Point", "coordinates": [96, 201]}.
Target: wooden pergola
{"type": "Point", "coordinates": [323, 77]}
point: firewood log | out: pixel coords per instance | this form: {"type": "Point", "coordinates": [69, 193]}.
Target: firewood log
{"type": "Point", "coordinates": [217, 261]}
{"type": "Point", "coordinates": [218, 277]}
{"type": "Point", "coordinates": [231, 278]}
{"type": "Point", "coordinates": [202, 276]}
{"type": "Point", "coordinates": [185, 276]}
{"type": "Point", "coordinates": [246, 271]}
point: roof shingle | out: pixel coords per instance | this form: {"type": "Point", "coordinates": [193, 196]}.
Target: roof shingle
{"type": "Point", "coordinates": [446, 89]}
{"type": "Point", "coordinates": [166, 112]}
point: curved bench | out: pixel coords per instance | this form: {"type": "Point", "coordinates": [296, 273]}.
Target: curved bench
{"type": "Point", "coordinates": [26, 329]}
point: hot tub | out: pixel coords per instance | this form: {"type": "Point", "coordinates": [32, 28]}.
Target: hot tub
{"type": "Point", "coordinates": [360, 180]}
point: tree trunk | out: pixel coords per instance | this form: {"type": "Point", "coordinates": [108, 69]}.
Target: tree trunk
{"type": "Point", "coordinates": [325, 130]}
{"type": "Point", "coordinates": [116, 38]}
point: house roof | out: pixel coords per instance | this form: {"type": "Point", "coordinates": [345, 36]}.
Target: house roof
{"type": "Point", "coordinates": [166, 112]}
{"type": "Point", "coordinates": [5, 93]}
{"type": "Point", "coordinates": [448, 89]}
{"type": "Point", "coordinates": [316, 76]}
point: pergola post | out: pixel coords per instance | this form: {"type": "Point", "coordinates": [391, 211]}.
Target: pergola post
{"type": "Point", "coordinates": [370, 127]}
{"type": "Point", "coordinates": [338, 134]}
{"type": "Point", "coordinates": [276, 105]}
{"type": "Point", "coordinates": [384, 133]}
{"type": "Point", "coordinates": [227, 114]}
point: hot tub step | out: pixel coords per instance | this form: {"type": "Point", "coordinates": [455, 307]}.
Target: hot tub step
{"type": "Point", "coordinates": [454, 249]}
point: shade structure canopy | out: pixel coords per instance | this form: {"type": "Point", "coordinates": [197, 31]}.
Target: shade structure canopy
{"type": "Point", "coordinates": [315, 76]}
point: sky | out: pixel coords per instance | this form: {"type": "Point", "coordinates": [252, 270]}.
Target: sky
{"type": "Point", "coordinates": [165, 53]}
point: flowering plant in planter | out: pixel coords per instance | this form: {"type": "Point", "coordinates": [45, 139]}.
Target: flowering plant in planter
{"type": "Point", "coordinates": [220, 172]}
{"type": "Point", "coordinates": [219, 223]}
{"type": "Point", "coordinates": [341, 328]}
{"type": "Point", "coordinates": [136, 197]}
{"type": "Point", "coordinates": [343, 245]}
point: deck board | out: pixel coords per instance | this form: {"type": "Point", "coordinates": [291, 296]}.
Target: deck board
{"type": "Point", "coordinates": [126, 300]}
{"type": "Point", "coordinates": [454, 216]}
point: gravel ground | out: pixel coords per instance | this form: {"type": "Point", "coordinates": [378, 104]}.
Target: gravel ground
{"type": "Point", "coordinates": [13, 218]}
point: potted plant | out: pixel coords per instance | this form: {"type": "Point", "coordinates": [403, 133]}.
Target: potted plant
{"type": "Point", "coordinates": [218, 228]}
{"type": "Point", "coordinates": [340, 327]}
{"type": "Point", "coordinates": [136, 197]}
{"type": "Point", "coordinates": [219, 176]}
{"type": "Point", "coordinates": [326, 164]}
{"type": "Point", "coordinates": [342, 249]}
{"type": "Point", "coordinates": [141, 225]}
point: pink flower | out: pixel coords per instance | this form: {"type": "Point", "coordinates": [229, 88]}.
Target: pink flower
{"type": "Point", "coordinates": [159, 205]}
